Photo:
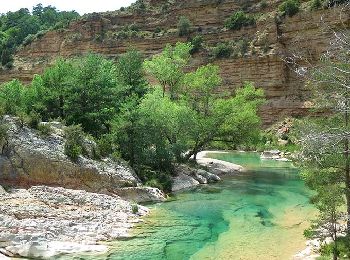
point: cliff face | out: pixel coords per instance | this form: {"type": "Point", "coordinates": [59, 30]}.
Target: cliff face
{"type": "Point", "coordinates": [156, 24]}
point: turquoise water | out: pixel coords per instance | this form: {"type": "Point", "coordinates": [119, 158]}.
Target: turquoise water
{"type": "Point", "coordinates": [260, 213]}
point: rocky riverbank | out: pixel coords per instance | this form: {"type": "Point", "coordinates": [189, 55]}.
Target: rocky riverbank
{"type": "Point", "coordinates": [43, 222]}
{"type": "Point", "coordinates": [56, 206]}
{"type": "Point", "coordinates": [209, 172]}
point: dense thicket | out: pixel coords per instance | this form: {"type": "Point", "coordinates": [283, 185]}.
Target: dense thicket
{"type": "Point", "coordinates": [20, 27]}
{"type": "Point", "coordinates": [150, 126]}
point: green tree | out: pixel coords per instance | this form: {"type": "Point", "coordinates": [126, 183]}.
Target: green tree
{"type": "Point", "coordinates": [130, 74]}
{"type": "Point", "coordinates": [90, 97]}
{"type": "Point", "coordinates": [168, 66]}
{"type": "Point", "coordinates": [325, 142]}
{"type": "Point", "coordinates": [12, 97]}
{"type": "Point", "coordinates": [184, 26]}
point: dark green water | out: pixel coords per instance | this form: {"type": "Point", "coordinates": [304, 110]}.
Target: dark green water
{"type": "Point", "coordinates": [260, 213]}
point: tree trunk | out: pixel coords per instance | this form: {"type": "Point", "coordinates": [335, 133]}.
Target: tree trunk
{"type": "Point", "coordinates": [347, 172]}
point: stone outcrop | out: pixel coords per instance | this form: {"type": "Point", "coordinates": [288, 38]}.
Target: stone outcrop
{"type": "Point", "coordinates": [43, 222]}
{"type": "Point", "coordinates": [156, 24]}
{"type": "Point", "coordinates": [29, 159]}
{"type": "Point", "coordinates": [187, 177]}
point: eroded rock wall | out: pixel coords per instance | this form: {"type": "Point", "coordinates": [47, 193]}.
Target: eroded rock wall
{"type": "Point", "coordinates": [285, 92]}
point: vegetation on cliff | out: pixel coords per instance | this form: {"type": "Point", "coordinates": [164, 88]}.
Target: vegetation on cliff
{"type": "Point", "coordinates": [23, 26]}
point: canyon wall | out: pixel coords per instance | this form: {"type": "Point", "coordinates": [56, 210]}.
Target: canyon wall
{"type": "Point", "coordinates": [271, 39]}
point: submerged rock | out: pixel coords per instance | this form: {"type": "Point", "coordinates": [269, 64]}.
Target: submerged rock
{"type": "Point", "coordinates": [44, 221]}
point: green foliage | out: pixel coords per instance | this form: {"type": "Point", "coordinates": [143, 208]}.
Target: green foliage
{"type": "Point", "coordinates": [316, 4]}
{"type": "Point", "coordinates": [196, 43]}
{"type": "Point", "coordinates": [167, 67]}
{"type": "Point", "coordinates": [222, 50]}
{"type": "Point", "coordinates": [44, 129]}
{"type": "Point", "coordinates": [238, 20]}
{"type": "Point", "coordinates": [74, 145]}
{"type": "Point", "coordinates": [19, 27]}
{"type": "Point", "coordinates": [89, 98]}
{"type": "Point", "coordinates": [134, 208]}
{"type": "Point", "coordinates": [342, 248]}
{"type": "Point", "coordinates": [105, 145]}
{"type": "Point", "coordinates": [289, 7]}
{"type": "Point", "coordinates": [184, 26]}
{"type": "Point", "coordinates": [12, 97]}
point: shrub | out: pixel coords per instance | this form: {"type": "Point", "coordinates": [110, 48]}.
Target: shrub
{"type": "Point", "coordinates": [343, 248]}
{"type": "Point", "coordinates": [158, 30]}
{"type": "Point", "coordinates": [155, 179]}
{"type": "Point", "coordinates": [222, 50]}
{"type": "Point", "coordinates": [184, 26]}
{"type": "Point", "coordinates": [196, 43]}
{"type": "Point", "coordinates": [315, 4]}
{"type": "Point", "coordinates": [134, 208]}
{"type": "Point", "coordinates": [74, 145]}
{"type": "Point", "coordinates": [238, 20]}
{"type": "Point", "coordinates": [33, 120]}
{"type": "Point", "coordinates": [289, 7]}
{"type": "Point", "coordinates": [263, 4]}
{"type": "Point", "coordinates": [44, 129]}
{"type": "Point", "coordinates": [104, 145]}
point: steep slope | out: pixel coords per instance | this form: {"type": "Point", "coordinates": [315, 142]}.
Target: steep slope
{"type": "Point", "coordinates": [149, 27]}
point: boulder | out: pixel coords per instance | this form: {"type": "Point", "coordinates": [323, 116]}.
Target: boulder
{"type": "Point", "coordinates": [183, 181]}
{"type": "Point", "coordinates": [30, 159]}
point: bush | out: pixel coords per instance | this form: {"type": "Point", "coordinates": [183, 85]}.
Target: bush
{"type": "Point", "coordinates": [104, 145]}
{"type": "Point", "coordinates": [134, 208]}
{"type": "Point", "coordinates": [238, 20]}
{"type": "Point", "coordinates": [315, 4]}
{"type": "Point", "coordinates": [196, 43]}
{"type": "Point", "coordinates": [289, 7]}
{"type": "Point", "coordinates": [222, 50]}
{"type": "Point", "coordinates": [44, 129]}
{"type": "Point", "coordinates": [74, 145]}
{"type": "Point", "coordinates": [155, 179]}
{"type": "Point", "coordinates": [263, 4]}
{"type": "Point", "coordinates": [33, 120]}
{"type": "Point", "coordinates": [343, 248]}
{"type": "Point", "coordinates": [184, 26]}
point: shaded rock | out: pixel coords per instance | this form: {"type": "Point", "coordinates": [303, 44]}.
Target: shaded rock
{"type": "Point", "coordinates": [141, 194]}
{"type": "Point", "coordinates": [2, 190]}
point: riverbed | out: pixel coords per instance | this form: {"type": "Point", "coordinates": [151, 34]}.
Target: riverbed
{"type": "Point", "coordinates": [257, 214]}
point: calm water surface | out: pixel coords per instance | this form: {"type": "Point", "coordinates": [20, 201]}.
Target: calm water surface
{"type": "Point", "coordinates": [258, 214]}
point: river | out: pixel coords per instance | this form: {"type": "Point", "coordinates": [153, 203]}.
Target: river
{"type": "Point", "coordinates": [257, 214]}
